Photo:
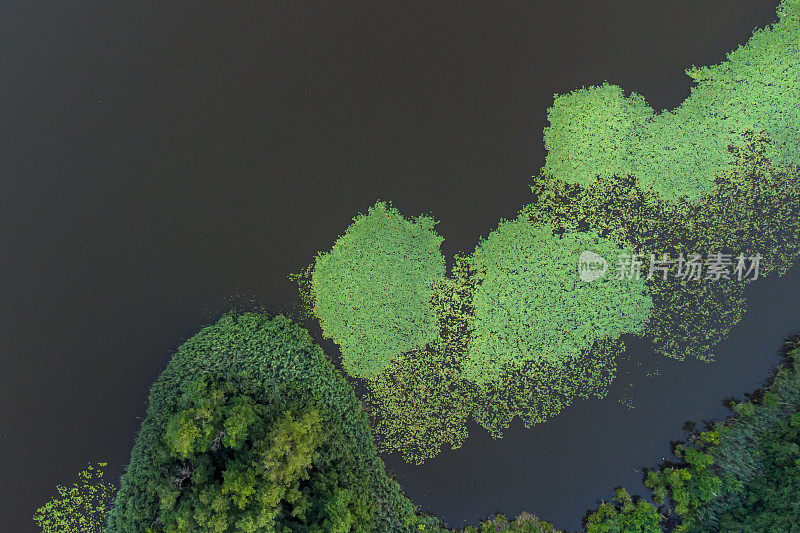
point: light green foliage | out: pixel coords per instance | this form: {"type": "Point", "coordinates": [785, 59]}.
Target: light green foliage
{"type": "Point", "coordinates": [690, 318]}
{"type": "Point", "coordinates": [261, 428]}
{"type": "Point", "coordinates": [372, 290]}
{"type": "Point", "coordinates": [421, 402]}
{"type": "Point", "coordinates": [625, 515]}
{"type": "Point", "coordinates": [306, 289]}
{"type": "Point", "coordinates": [592, 133]}
{"type": "Point", "coordinates": [752, 211]}
{"type": "Point", "coordinates": [530, 303]}
{"type": "Point", "coordinates": [757, 88]}
{"type": "Point", "coordinates": [512, 331]}
{"type": "Point", "coordinates": [80, 508]}
{"type": "Point", "coordinates": [599, 132]}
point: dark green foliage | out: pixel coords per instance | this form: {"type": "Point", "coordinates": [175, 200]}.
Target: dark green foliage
{"type": "Point", "coordinates": [260, 381]}
{"type": "Point", "coordinates": [624, 515]}
{"type": "Point", "coordinates": [743, 475]}
{"type": "Point", "coordinates": [524, 523]}
{"type": "Point", "coordinates": [249, 460]}
{"type": "Point", "coordinates": [771, 501]}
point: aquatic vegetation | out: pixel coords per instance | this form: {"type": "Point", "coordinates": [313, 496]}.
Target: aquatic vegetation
{"type": "Point", "coordinates": [592, 133]}
{"type": "Point", "coordinates": [372, 290]}
{"type": "Point", "coordinates": [422, 401]}
{"type": "Point", "coordinates": [530, 303]}
{"type": "Point", "coordinates": [513, 330]}
{"type": "Point", "coordinates": [538, 390]}
{"type": "Point", "coordinates": [597, 132]}
{"type": "Point", "coordinates": [80, 508]}
{"type": "Point", "coordinates": [251, 428]}
{"type": "Point", "coordinates": [249, 376]}
{"type": "Point", "coordinates": [740, 474]}
{"type": "Point", "coordinates": [519, 334]}
{"type": "Point", "coordinates": [753, 210]}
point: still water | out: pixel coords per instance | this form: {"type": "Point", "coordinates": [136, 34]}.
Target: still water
{"type": "Point", "coordinates": [158, 164]}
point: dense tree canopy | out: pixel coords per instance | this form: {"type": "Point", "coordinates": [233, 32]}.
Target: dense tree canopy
{"type": "Point", "coordinates": [372, 290]}
{"type": "Point", "coordinates": [624, 515]}
{"type": "Point", "coordinates": [243, 464]}
{"type": "Point", "coordinates": [250, 428]}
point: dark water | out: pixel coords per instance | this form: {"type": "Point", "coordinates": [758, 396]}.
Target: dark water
{"type": "Point", "coordinates": [157, 162]}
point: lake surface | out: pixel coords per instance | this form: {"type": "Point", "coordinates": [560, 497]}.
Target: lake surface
{"type": "Point", "coordinates": [159, 164]}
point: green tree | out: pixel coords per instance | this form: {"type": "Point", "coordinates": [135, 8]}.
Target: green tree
{"type": "Point", "coordinates": [237, 465]}
{"type": "Point", "coordinates": [770, 501]}
{"type": "Point", "coordinates": [744, 474]}
{"type": "Point", "coordinates": [250, 428]}
{"type": "Point", "coordinates": [624, 515]}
